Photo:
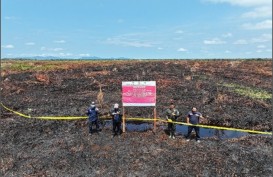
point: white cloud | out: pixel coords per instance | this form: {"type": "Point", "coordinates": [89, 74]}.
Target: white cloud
{"type": "Point", "coordinates": [214, 41]}
{"type": "Point", "coordinates": [179, 32]}
{"type": "Point", "coordinates": [84, 55]}
{"type": "Point", "coordinates": [246, 3]}
{"type": "Point", "coordinates": [259, 51]}
{"type": "Point", "coordinates": [134, 40]}
{"type": "Point", "coordinates": [261, 46]}
{"type": "Point", "coordinates": [178, 38]}
{"type": "Point", "coordinates": [227, 51]}
{"type": "Point", "coordinates": [129, 42]}
{"type": "Point", "coordinates": [30, 43]}
{"type": "Point", "coordinates": [41, 55]}
{"type": "Point", "coordinates": [52, 49]}
{"type": "Point", "coordinates": [9, 46]}
{"type": "Point", "coordinates": [182, 50]}
{"type": "Point", "coordinates": [268, 50]}
{"type": "Point", "coordinates": [59, 41]}
{"type": "Point", "coordinates": [9, 18]}
{"type": "Point", "coordinates": [266, 24]}
{"type": "Point", "coordinates": [57, 49]}
{"type": "Point", "coordinates": [227, 35]}
{"type": "Point", "coordinates": [240, 41]}
{"type": "Point", "coordinates": [159, 48]}
{"type": "Point", "coordinates": [43, 48]}
{"type": "Point", "coordinates": [262, 38]}
{"type": "Point", "coordinates": [44, 54]}
{"type": "Point", "coordinates": [65, 54]}
{"type": "Point", "coordinates": [204, 51]}
{"type": "Point", "coordinates": [260, 12]}
{"type": "Point", "coordinates": [120, 20]}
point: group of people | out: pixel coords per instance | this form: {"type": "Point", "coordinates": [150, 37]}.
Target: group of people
{"type": "Point", "coordinates": [172, 114]}
{"type": "Point", "coordinates": [193, 117]}
{"type": "Point", "coordinates": [93, 118]}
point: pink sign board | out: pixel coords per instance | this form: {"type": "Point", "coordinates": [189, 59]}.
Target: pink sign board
{"type": "Point", "coordinates": [139, 93]}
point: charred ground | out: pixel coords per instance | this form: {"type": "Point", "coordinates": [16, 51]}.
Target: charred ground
{"type": "Point", "coordinates": [233, 93]}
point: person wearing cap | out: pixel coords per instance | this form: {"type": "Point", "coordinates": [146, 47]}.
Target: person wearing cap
{"type": "Point", "coordinates": [193, 117]}
{"type": "Point", "coordinates": [116, 114]}
{"type": "Point", "coordinates": [93, 115]}
{"type": "Point", "coordinates": [171, 115]}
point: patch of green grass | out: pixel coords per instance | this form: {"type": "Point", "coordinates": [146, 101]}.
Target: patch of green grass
{"type": "Point", "coordinates": [201, 77]}
{"type": "Point", "coordinates": [31, 66]}
{"type": "Point", "coordinates": [21, 67]}
{"type": "Point", "coordinates": [253, 93]}
{"type": "Point", "coordinates": [48, 67]}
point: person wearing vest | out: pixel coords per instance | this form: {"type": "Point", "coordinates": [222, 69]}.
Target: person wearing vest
{"type": "Point", "coordinates": [116, 114]}
{"type": "Point", "coordinates": [93, 115]}
{"type": "Point", "coordinates": [193, 117]}
{"type": "Point", "coordinates": [171, 115]}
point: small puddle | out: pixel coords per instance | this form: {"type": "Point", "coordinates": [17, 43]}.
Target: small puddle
{"type": "Point", "coordinates": [207, 132]}
{"type": "Point", "coordinates": [143, 127]}
{"type": "Point", "coordinates": [133, 127]}
{"type": "Point", "coordinates": [182, 130]}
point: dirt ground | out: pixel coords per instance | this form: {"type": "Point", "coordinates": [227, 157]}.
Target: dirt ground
{"type": "Point", "coordinates": [228, 93]}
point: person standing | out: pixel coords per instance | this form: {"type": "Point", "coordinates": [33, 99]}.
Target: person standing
{"type": "Point", "coordinates": [171, 115]}
{"type": "Point", "coordinates": [116, 114]}
{"type": "Point", "coordinates": [93, 116]}
{"type": "Point", "coordinates": [193, 117]}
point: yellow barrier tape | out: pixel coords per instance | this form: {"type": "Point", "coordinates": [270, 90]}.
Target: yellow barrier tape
{"type": "Point", "coordinates": [221, 128]}
{"type": "Point", "coordinates": [141, 119]}
{"type": "Point", "coordinates": [48, 117]}
{"type": "Point", "coordinates": [203, 126]}
{"type": "Point", "coordinates": [18, 113]}
{"type": "Point", "coordinates": [59, 118]}
{"type": "Point", "coordinates": [64, 117]}
{"type": "Point", "coordinates": [137, 119]}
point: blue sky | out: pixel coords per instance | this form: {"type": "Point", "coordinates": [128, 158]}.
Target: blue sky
{"type": "Point", "coordinates": [137, 28]}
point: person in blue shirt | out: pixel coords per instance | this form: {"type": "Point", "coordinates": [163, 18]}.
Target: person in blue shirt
{"type": "Point", "coordinates": [93, 116]}
{"type": "Point", "coordinates": [116, 114]}
{"type": "Point", "coordinates": [193, 117]}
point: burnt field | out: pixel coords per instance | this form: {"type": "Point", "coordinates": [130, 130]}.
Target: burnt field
{"type": "Point", "coordinates": [229, 93]}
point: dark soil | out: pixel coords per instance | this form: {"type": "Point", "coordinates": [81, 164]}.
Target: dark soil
{"type": "Point", "coordinates": [32, 147]}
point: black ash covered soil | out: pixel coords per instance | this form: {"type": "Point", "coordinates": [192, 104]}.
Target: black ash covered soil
{"type": "Point", "coordinates": [31, 147]}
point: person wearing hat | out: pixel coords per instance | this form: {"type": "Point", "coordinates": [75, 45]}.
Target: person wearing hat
{"type": "Point", "coordinates": [171, 115]}
{"type": "Point", "coordinates": [193, 117]}
{"type": "Point", "coordinates": [93, 115]}
{"type": "Point", "coordinates": [116, 114]}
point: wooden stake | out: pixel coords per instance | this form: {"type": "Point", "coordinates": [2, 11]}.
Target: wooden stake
{"type": "Point", "coordinates": [123, 120]}
{"type": "Point", "coordinates": [154, 118]}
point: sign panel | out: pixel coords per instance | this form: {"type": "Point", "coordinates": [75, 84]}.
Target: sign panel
{"type": "Point", "coordinates": [139, 93]}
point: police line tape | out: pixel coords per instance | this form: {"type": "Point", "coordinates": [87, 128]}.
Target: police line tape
{"type": "Point", "coordinates": [136, 119]}
{"type": "Point", "coordinates": [204, 126]}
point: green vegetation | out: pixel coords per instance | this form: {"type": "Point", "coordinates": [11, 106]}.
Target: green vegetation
{"type": "Point", "coordinates": [21, 66]}
{"type": "Point", "coordinates": [26, 66]}
{"type": "Point", "coordinates": [49, 65]}
{"type": "Point", "coordinates": [201, 77]}
{"type": "Point", "coordinates": [29, 65]}
{"type": "Point", "coordinates": [249, 92]}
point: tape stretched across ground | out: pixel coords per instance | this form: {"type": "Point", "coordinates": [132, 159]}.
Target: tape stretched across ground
{"type": "Point", "coordinates": [136, 119]}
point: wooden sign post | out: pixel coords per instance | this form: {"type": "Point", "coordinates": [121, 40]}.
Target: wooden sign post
{"type": "Point", "coordinates": [154, 118]}
{"type": "Point", "coordinates": [123, 120]}
{"type": "Point", "coordinates": [138, 93]}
